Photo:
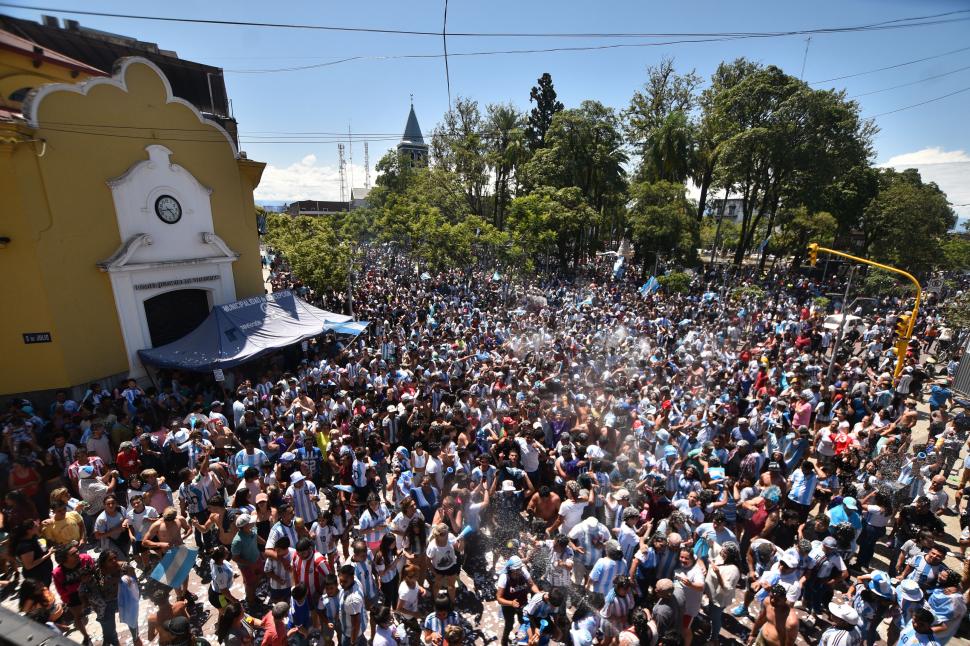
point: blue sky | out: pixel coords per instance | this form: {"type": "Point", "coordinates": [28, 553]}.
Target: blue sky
{"type": "Point", "coordinates": [371, 96]}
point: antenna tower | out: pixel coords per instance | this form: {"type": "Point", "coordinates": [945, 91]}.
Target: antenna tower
{"type": "Point", "coordinates": [366, 167]}
{"type": "Point", "coordinates": [342, 167]}
{"type": "Point", "coordinates": [350, 137]}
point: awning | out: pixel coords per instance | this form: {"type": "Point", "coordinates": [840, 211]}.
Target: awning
{"type": "Point", "coordinates": [237, 332]}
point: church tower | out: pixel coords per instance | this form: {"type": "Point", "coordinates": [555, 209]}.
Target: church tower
{"type": "Point", "coordinates": [412, 143]}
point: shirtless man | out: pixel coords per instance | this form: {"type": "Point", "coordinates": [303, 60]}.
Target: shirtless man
{"type": "Point", "coordinates": [166, 610]}
{"type": "Point", "coordinates": [777, 624]}
{"type": "Point", "coordinates": [544, 504]}
{"type": "Point", "coordinates": [165, 533]}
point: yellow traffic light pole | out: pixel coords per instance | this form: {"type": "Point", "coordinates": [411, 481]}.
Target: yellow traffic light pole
{"type": "Point", "coordinates": [903, 343]}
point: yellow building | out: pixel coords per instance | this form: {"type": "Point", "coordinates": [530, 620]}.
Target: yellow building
{"type": "Point", "coordinates": [125, 216]}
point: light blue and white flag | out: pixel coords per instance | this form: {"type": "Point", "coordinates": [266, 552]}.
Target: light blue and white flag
{"type": "Point", "coordinates": [496, 276]}
{"type": "Point", "coordinates": [649, 287]}
{"type": "Point", "coordinates": [175, 566]}
{"type": "Point", "coordinates": [618, 268]}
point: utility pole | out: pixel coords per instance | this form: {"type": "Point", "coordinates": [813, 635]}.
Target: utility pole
{"type": "Point", "coordinates": [845, 316]}
{"type": "Point", "coordinates": [366, 167]}
{"type": "Point", "coordinates": [342, 168]}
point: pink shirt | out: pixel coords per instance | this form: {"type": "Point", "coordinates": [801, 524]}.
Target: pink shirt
{"type": "Point", "coordinates": [803, 414]}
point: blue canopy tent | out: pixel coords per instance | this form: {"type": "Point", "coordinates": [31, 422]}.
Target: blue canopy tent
{"type": "Point", "coordinates": [237, 332]}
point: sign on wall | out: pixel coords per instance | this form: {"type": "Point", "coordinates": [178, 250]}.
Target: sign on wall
{"type": "Point", "coordinates": [37, 337]}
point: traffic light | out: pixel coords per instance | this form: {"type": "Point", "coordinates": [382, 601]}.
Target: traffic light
{"type": "Point", "coordinates": [813, 253]}
{"type": "Point", "coordinates": [902, 326]}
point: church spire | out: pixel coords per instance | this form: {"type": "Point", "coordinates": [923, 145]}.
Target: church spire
{"type": "Point", "coordinates": [412, 143]}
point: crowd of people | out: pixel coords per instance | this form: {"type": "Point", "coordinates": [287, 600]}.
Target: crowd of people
{"type": "Point", "coordinates": [595, 462]}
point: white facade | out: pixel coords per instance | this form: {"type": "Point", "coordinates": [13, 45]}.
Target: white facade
{"type": "Point", "coordinates": [158, 256]}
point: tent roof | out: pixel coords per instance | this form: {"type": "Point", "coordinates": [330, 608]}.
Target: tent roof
{"type": "Point", "coordinates": [237, 332]}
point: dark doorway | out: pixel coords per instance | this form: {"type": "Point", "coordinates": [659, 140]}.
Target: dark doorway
{"type": "Point", "coordinates": [172, 315]}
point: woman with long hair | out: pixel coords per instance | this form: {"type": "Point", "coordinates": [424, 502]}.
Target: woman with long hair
{"type": "Point", "coordinates": [389, 562]}
{"type": "Point", "coordinates": [34, 559]}
{"type": "Point", "coordinates": [233, 627]}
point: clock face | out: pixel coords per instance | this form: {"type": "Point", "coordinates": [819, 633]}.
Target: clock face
{"type": "Point", "coordinates": [168, 209]}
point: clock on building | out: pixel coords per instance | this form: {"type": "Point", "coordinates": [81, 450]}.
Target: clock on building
{"type": "Point", "coordinates": [168, 209]}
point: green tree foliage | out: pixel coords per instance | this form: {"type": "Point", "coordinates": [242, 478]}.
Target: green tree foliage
{"type": "Point", "coordinates": [553, 222]}
{"type": "Point", "coordinates": [543, 94]}
{"type": "Point", "coordinates": [458, 146]}
{"type": "Point", "coordinates": [905, 223]}
{"type": "Point", "coordinates": [661, 220]}
{"type": "Point", "coordinates": [676, 282]}
{"type": "Point", "coordinates": [584, 149]}
{"type": "Point", "coordinates": [507, 150]}
{"type": "Point", "coordinates": [657, 123]}
{"type": "Point", "coordinates": [784, 142]}
{"type": "Point", "coordinates": [799, 227]}
{"type": "Point", "coordinates": [957, 312]}
{"type": "Point", "coordinates": [956, 252]}
{"type": "Point", "coordinates": [313, 248]}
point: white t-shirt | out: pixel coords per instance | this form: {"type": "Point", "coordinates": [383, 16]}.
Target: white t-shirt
{"type": "Point", "coordinates": [139, 523]}
{"type": "Point", "coordinates": [876, 516]}
{"type": "Point", "coordinates": [442, 556]}
{"type": "Point", "coordinates": [409, 596]}
{"type": "Point", "coordinates": [571, 512]}
{"type": "Point", "coordinates": [528, 454]}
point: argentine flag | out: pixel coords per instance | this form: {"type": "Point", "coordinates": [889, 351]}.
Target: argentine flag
{"type": "Point", "coordinates": [175, 566]}
{"type": "Point", "coordinates": [649, 287]}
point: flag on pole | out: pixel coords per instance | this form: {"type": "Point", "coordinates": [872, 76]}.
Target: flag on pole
{"type": "Point", "coordinates": [175, 566]}
{"type": "Point", "coordinates": [618, 268]}
{"type": "Point", "coordinates": [649, 287]}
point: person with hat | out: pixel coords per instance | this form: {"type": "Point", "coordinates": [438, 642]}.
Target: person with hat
{"type": "Point", "coordinates": [245, 552]}
{"type": "Point", "coordinates": [908, 596]}
{"type": "Point", "coordinates": [827, 570]}
{"type": "Point", "coordinates": [777, 623]}
{"type": "Point", "coordinates": [845, 629]}
{"type": "Point", "coordinates": [513, 588]}
{"type": "Point", "coordinates": [871, 598]}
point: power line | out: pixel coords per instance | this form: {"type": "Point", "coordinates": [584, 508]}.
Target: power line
{"type": "Point", "coordinates": [912, 21]}
{"type": "Point", "coordinates": [444, 42]}
{"type": "Point", "coordinates": [917, 82]}
{"type": "Point", "coordinates": [891, 67]}
{"type": "Point", "coordinates": [916, 105]}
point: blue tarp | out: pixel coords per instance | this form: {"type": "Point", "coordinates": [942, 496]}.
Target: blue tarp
{"type": "Point", "coordinates": [237, 332]}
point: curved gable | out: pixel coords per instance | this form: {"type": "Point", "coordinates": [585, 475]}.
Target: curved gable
{"type": "Point", "coordinates": [126, 78]}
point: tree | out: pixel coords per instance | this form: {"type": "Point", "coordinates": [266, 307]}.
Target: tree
{"type": "Point", "coordinates": [905, 223]}
{"type": "Point", "coordinates": [458, 146]}
{"type": "Point", "coordinates": [712, 128]}
{"type": "Point", "coordinates": [801, 226]}
{"type": "Point", "coordinates": [676, 282]}
{"type": "Point", "coordinates": [584, 148]}
{"type": "Point", "coordinates": [956, 252]}
{"type": "Point", "coordinates": [661, 220]}
{"type": "Point", "coordinates": [658, 126]}
{"type": "Point", "coordinates": [551, 221]}
{"type": "Point", "coordinates": [507, 150]}
{"type": "Point", "coordinates": [312, 247]}
{"type": "Point", "coordinates": [540, 118]}
{"type": "Point", "coordinates": [785, 142]}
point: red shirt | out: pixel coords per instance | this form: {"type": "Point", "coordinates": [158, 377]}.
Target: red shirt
{"type": "Point", "coordinates": [128, 462]}
{"type": "Point", "coordinates": [275, 634]}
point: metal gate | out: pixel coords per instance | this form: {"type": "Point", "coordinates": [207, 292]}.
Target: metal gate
{"type": "Point", "coordinates": [961, 382]}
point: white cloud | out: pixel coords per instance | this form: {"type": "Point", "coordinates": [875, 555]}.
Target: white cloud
{"type": "Point", "coordinates": [933, 155]}
{"type": "Point", "coordinates": [949, 169]}
{"type": "Point", "coordinates": [306, 180]}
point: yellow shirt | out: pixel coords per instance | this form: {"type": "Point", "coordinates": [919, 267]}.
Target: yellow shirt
{"type": "Point", "coordinates": [62, 532]}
